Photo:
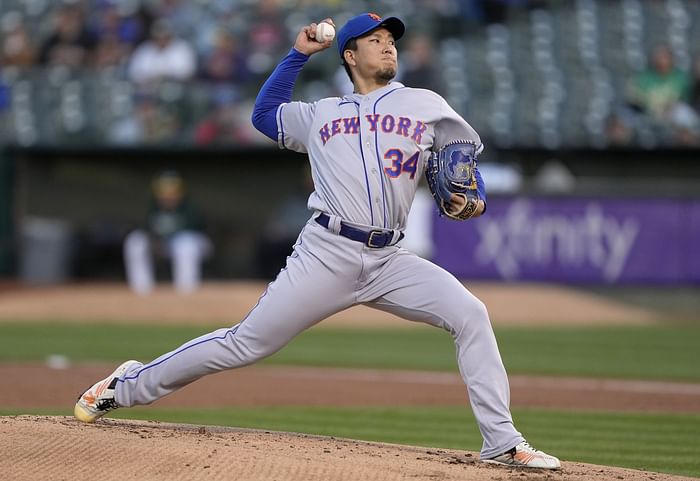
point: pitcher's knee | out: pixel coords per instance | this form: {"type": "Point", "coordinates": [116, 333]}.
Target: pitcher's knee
{"type": "Point", "coordinates": [480, 312]}
{"type": "Point", "coordinates": [472, 316]}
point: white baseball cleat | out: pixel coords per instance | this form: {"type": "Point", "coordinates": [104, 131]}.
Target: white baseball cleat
{"type": "Point", "coordinates": [99, 399]}
{"type": "Point", "coordinates": [525, 456]}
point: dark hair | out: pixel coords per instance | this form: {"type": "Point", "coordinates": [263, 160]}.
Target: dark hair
{"type": "Point", "coordinates": [350, 45]}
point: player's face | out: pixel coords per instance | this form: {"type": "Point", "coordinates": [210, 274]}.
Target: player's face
{"type": "Point", "coordinates": [376, 55]}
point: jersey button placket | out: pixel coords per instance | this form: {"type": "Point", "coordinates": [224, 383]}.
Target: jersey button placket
{"type": "Point", "coordinates": [368, 147]}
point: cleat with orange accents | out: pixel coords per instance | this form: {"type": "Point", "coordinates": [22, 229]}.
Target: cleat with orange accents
{"type": "Point", "coordinates": [99, 399]}
{"type": "Point", "coordinates": [525, 456]}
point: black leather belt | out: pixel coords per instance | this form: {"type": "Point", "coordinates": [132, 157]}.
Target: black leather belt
{"type": "Point", "coordinates": [373, 238]}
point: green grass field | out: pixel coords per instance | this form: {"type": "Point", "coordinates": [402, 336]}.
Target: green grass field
{"type": "Point", "coordinates": [657, 442]}
{"type": "Point", "coordinates": [664, 352]}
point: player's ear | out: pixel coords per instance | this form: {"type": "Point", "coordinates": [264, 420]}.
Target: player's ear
{"type": "Point", "coordinates": [349, 57]}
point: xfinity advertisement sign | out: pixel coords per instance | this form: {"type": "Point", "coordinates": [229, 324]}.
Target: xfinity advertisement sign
{"type": "Point", "coordinates": [575, 240]}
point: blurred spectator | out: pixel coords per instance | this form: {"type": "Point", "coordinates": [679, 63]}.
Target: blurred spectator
{"type": "Point", "coordinates": [163, 56]}
{"type": "Point", "coordinates": [662, 92]}
{"type": "Point", "coordinates": [151, 122]}
{"type": "Point", "coordinates": [225, 62]}
{"type": "Point", "coordinates": [123, 25]}
{"type": "Point", "coordinates": [17, 47]}
{"type": "Point", "coordinates": [266, 37]}
{"type": "Point", "coordinates": [69, 43]}
{"type": "Point", "coordinates": [418, 64]}
{"type": "Point", "coordinates": [182, 15]}
{"type": "Point", "coordinates": [173, 230]}
{"type": "Point", "coordinates": [110, 52]}
{"type": "Point", "coordinates": [619, 131]}
{"type": "Point", "coordinates": [223, 125]}
{"type": "Point", "coordinates": [115, 34]}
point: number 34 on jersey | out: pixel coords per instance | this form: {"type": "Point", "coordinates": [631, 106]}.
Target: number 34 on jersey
{"type": "Point", "coordinates": [388, 124]}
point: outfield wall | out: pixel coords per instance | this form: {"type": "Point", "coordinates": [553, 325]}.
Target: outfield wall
{"type": "Point", "coordinates": [625, 220]}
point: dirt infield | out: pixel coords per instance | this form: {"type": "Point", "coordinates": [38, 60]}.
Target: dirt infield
{"type": "Point", "coordinates": [225, 303]}
{"type": "Point", "coordinates": [131, 450]}
{"type": "Point", "coordinates": [38, 386]}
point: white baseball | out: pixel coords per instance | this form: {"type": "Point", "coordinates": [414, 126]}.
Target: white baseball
{"type": "Point", "coordinates": [324, 32]}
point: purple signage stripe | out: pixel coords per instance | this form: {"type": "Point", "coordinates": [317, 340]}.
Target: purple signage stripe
{"type": "Point", "coordinates": [575, 240]}
{"type": "Point", "coordinates": [693, 242]}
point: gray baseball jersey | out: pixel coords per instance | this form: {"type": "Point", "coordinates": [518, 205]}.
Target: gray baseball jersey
{"type": "Point", "coordinates": [367, 154]}
{"type": "Point", "coordinates": [390, 131]}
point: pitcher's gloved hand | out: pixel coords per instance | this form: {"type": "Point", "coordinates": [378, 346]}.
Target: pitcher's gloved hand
{"type": "Point", "coordinates": [452, 176]}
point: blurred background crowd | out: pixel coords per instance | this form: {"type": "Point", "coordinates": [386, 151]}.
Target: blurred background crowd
{"type": "Point", "coordinates": [525, 73]}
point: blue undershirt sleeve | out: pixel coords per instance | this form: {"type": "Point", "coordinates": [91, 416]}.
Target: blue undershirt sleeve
{"type": "Point", "coordinates": [480, 186]}
{"type": "Point", "coordinates": [277, 90]}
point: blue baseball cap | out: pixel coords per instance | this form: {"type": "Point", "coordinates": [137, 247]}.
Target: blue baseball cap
{"type": "Point", "coordinates": [365, 23]}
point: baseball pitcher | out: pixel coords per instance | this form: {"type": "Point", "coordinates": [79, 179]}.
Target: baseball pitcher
{"type": "Point", "coordinates": [367, 152]}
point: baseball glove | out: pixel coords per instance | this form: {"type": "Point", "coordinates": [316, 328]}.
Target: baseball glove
{"type": "Point", "coordinates": [451, 176]}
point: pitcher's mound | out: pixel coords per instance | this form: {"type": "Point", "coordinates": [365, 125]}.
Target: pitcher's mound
{"type": "Point", "coordinates": [40, 447]}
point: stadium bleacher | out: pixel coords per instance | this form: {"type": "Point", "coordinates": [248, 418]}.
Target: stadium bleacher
{"type": "Point", "coordinates": [550, 75]}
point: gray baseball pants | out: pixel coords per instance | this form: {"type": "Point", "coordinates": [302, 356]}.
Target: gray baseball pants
{"type": "Point", "coordinates": [325, 274]}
